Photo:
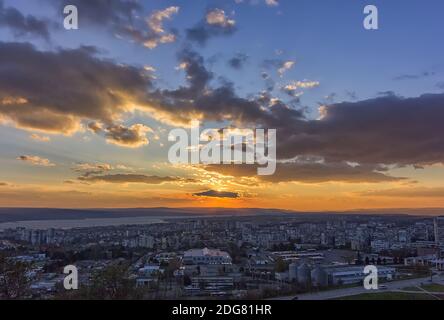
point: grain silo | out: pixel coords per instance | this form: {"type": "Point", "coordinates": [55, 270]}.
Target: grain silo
{"type": "Point", "coordinates": [293, 271]}
{"type": "Point", "coordinates": [304, 274]}
{"type": "Point", "coordinates": [319, 277]}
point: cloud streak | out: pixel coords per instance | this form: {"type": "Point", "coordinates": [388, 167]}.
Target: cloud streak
{"type": "Point", "coordinates": [129, 178]}
{"type": "Point", "coordinates": [36, 161]}
{"type": "Point", "coordinates": [217, 194]}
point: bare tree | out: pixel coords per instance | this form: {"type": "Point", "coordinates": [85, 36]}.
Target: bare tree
{"type": "Point", "coordinates": [14, 280]}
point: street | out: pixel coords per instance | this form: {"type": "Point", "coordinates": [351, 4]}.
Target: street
{"type": "Point", "coordinates": [388, 286]}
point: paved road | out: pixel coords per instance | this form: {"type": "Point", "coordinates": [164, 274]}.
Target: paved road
{"type": "Point", "coordinates": [339, 293]}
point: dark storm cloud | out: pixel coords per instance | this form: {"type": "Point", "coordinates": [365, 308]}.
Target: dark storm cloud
{"type": "Point", "coordinates": [130, 178]}
{"type": "Point", "coordinates": [217, 194]}
{"type": "Point", "coordinates": [22, 25]}
{"type": "Point", "coordinates": [238, 61]}
{"type": "Point", "coordinates": [215, 24]}
{"type": "Point", "coordinates": [54, 91]}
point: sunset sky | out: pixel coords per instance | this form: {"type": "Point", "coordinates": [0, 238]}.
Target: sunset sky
{"type": "Point", "coordinates": [85, 114]}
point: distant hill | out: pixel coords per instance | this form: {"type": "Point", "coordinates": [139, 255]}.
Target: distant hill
{"type": "Point", "coordinates": [27, 214]}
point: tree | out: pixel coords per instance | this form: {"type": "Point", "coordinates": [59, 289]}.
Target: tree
{"type": "Point", "coordinates": [186, 281]}
{"type": "Point", "coordinates": [173, 265]}
{"type": "Point", "coordinates": [14, 280]}
{"type": "Point", "coordinates": [112, 283]}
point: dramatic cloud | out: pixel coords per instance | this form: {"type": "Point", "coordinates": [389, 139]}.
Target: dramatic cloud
{"type": "Point", "coordinates": [199, 100]}
{"type": "Point", "coordinates": [125, 19]}
{"type": "Point", "coordinates": [130, 178]}
{"type": "Point", "coordinates": [216, 23]}
{"type": "Point", "coordinates": [37, 161]}
{"type": "Point", "coordinates": [387, 130]}
{"type": "Point", "coordinates": [40, 91]}
{"type": "Point", "coordinates": [238, 61]}
{"type": "Point", "coordinates": [381, 131]}
{"type": "Point", "coordinates": [55, 91]}
{"type": "Point", "coordinates": [22, 25]}
{"type": "Point", "coordinates": [217, 194]}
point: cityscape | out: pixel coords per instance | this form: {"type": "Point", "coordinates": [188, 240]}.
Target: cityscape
{"type": "Point", "coordinates": [191, 152]}
{"type": "Point", "coordinates": [234, 257]}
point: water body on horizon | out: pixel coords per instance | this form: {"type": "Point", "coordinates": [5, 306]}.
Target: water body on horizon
{"type": "Point", "coordinates": [80, 223]}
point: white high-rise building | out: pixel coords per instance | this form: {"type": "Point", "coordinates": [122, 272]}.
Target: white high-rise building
{"type": "Point", "coordinates": [438, 226]}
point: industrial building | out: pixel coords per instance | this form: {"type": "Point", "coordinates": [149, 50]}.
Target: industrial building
{"type": "Point", "coordinates": [206, 256]}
